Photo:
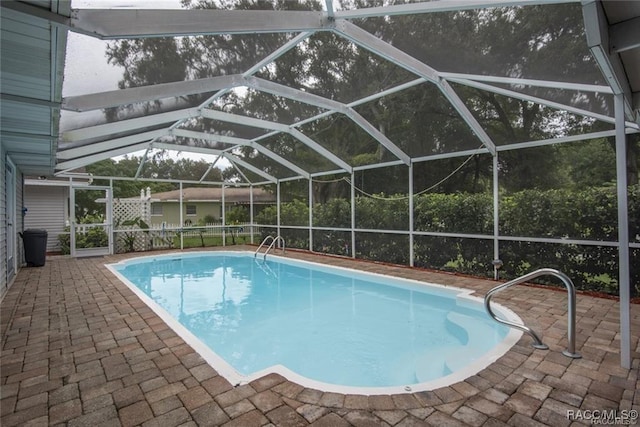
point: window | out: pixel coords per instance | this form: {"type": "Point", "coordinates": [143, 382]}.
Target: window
{"type": "Point", "coordinates": [191, 209]}
{"type": "Point", "coordinates": [156, 209]}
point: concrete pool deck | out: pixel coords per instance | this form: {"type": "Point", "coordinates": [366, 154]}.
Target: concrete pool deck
{"type": "Point", "coordinates": [80, 349]}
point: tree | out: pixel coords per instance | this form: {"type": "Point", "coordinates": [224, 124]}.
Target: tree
{"type": "Point", "coordinates": [514, 42]}
{"type": "Point", "coordinates": [157, 167]}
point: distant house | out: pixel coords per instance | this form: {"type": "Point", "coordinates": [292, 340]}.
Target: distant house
{"type": "Point", "coordinates": [198, 203]}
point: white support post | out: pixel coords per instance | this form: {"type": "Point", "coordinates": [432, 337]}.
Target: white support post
{"type": "Point", "coordinates": [278, 208]}
{"type": "Point", "coordinates": [72, 218]}
{"type": "Point", "coordinates": [181, 220]}
{"type": "Point", "coordinates": [142, 162]}
{"type": "Point", "coordinates": [411, 224]}
{"type": "Point", "coordinates": [310, 214]}
{"type": "Point", "coordinates": [623, 233]}
{"type": "Point", "coordinates": [251, 212]}
{"type": "Point", "coordinates": [496, 217]}
{"type": "Point", "coordinates": [224, 220]}
{"type": "Point", "coordinates": [112, 236]}
{"type": "Point", "coordinates": [353, 215]}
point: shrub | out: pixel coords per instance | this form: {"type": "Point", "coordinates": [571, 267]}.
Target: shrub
{"type": "Point", "coordinates": [589, 214]}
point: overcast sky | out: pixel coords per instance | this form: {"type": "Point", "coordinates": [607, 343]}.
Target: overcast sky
{"type": "Point", "coordinates": [87, 70]}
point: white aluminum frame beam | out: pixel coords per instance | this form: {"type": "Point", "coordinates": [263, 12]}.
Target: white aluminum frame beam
{"type": "Point", "coordinates": [142, 162]}
{"type": "Point", "coordinates": [372, 43]}
{"type": "Point", "coordinates": [240, 172]}
{"type": "Point", "coordinates": [268, 59]}
{"type": "Point", "coordinates": [378, 136]}
{"type": "Point", "coordinates": [625, 35]}
{"type": "Point", "coordinates": [277, 53]}
{"type": "Point", "coordinates": [223, 153]}
{"type": "Point", "coordinates": [624, 283]}
{"type": "Point", "coordinates": [329, 6]}
{"type": "Point", "coordinates": [467, 116]}
{"type": "Point", "coordinates": [439, 6]}
{"type": "Point", "coordinates": [128, 125]}
{"type": "Point", "coordinates": [381, 48]}
{"type": "Point", "coordinates": [581, 87]}
{"type": "Point", "coordinates": [238, 161]}
{"type": "Point", "coordinates": [319, 101]}
{"type": "Point", "coordinates": [387, 92]}
{"type": "Point", "coordinates": [186, 148]}
{"type": "Point", "coordinates": [123, 23]}
{"type": "Point", "coordinates": [518, 146]}
{"type": "Point", "coordinates": [186, 133]}
{"type": "Point", "coordinates": [242, 142]}
{"type": "Point", "coordinates": [116, 143]}
{"type": "Point", "coordinates": [264, 124]}
{"type": "Point", "coordinates": [87, 160]}
{"type": "Point", "coordinates": [561, 140]}
{"type": "Point", "coordinates": [211, 166]}
{"type": "Point", "coordinates": [598, 40]}
{"type": "Point", "coordinates": [320, 149]}
{"type": "Point", "coordinates": [115, 98]}
{"type": "Point", "coordinates": [223, 116]}
{"type": "Point", "coordinates": [291, 93]}
{"type": "Point", "coordinates": [534, 99]}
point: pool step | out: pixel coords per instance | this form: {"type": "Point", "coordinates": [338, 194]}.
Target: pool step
{"type": "Point", "coordinates": [474, 342]}
{"type": "Point", "coordinates": [478, 333]}
{"type": "Point", "coordinates": [432, 367]}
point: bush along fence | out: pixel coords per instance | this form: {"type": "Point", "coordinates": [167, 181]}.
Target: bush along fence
{"type": "Point", "coordinates": [572, 231]}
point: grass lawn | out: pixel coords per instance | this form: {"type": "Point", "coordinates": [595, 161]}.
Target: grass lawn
{"type": "Point", "coordinates": [197, 241]}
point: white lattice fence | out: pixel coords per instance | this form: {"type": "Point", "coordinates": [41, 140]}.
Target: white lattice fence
{"type": "Point", "coordinates": [129, 237]}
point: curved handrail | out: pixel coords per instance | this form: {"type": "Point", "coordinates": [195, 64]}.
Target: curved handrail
{"type": "Point", "coordinates": [275, 240]}
{"type": "Point", "coordinates": [571, 309]}
{"type": "Point", "coordinates": [262, 244]}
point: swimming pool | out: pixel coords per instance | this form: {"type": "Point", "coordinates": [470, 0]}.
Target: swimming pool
{"type": "Point", "coordinates": [328, 328]}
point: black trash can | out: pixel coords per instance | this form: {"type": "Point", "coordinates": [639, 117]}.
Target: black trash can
{"type": "Point", "coordinates": [35, 247]}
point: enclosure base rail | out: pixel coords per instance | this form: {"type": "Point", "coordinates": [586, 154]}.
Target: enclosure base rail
{"type": "Point", "coordinates": [571, 309]}
{"type": "Point", "coordinates": [273, 241]}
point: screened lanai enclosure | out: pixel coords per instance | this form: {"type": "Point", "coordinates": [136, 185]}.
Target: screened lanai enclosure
{"type": "Point", "coordinates": [480, 137]}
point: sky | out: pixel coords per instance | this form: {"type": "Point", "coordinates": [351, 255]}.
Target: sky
{"type": "Point", "coordinates": [82, 50]}
{"type": "Point", "coordinates": [87, 70]}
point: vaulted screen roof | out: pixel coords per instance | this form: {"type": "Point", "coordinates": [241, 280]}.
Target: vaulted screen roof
{"type": "Point", "coordinates": [272, 109]}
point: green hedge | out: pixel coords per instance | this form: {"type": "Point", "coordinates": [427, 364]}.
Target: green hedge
{"type": "Point", "coordinates": [589, 214]}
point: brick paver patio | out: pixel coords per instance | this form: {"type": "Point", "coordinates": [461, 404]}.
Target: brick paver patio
{"type": "Point", "coordinates": [80, 349]}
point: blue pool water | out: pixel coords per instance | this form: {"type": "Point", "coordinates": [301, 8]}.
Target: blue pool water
{"type": "Point", "coordinates": [330, 325]}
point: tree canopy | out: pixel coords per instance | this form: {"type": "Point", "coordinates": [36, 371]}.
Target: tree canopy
{"type": "Point", "coordinates": [513, 42]}
{"type": "Point", "coordinates": [160, 166]}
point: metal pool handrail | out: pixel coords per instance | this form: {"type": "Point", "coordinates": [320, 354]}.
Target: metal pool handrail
{"type": "Point", "coordinates": [571, 309]}
{"type": "Point", "coordinates": [274, 241]}
{"type": "Point", "coordinates": [264, 242]}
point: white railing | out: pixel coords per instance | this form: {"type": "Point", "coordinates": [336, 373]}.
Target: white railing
{"type": "Point", "coordinates": [274, 241]}
{"type": "Point", "coordinates": [166, 236]}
